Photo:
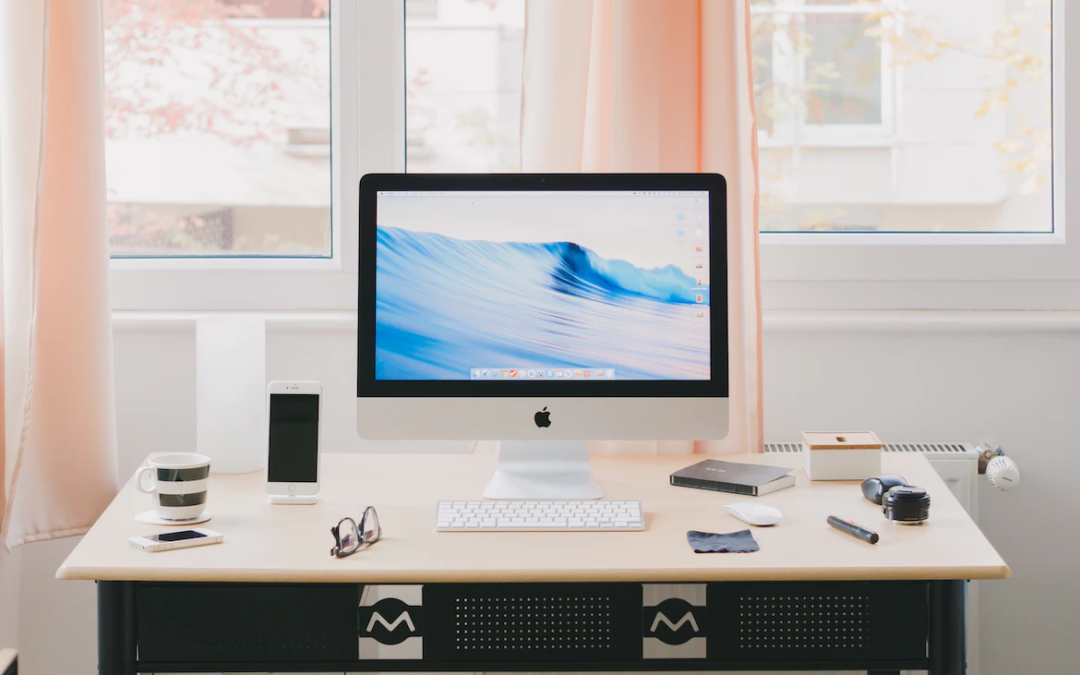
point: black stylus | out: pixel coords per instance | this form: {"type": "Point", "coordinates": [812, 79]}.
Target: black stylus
{"type": "Point", "coordinates": [854, 530]}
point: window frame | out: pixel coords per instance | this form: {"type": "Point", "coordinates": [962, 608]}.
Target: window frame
{"type": "Point", "coordinates": [882, 271]}
{"type": "Point", "coordinates": [360, 33]}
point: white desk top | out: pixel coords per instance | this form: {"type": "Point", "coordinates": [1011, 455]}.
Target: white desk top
{"type": "Point", "coordinates": [266, 542]}
{"type": "Point", "coordinates": [6, 658]}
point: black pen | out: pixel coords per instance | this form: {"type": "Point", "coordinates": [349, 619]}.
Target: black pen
{"type": "Point", "coordinates": [854, 530]}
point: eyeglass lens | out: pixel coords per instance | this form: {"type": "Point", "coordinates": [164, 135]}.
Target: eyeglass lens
{"type": "Point", "coordinates": [370, 524]}
{"type": "Point", "coordinates": [347, 535]}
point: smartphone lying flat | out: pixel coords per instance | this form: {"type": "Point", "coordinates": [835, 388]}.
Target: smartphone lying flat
{"type": "Point", "coordinates": [166, 541]}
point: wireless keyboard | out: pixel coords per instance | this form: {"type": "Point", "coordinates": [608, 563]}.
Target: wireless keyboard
{"type": "Point", "coordinates": [542, 516]}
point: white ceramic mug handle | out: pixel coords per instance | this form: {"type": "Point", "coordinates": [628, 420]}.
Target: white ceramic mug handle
{"type": "Point", "coordinates": [139, 481]}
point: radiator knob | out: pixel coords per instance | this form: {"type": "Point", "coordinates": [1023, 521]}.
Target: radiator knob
{"type": "Point", "coordinates": [1003, 473]}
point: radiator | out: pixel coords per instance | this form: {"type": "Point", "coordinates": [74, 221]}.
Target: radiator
{"type": "Point", "coordinates": [958, 466]}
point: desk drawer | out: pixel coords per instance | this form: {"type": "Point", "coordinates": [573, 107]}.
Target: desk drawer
{"type": "Point", "coordinates": [235, 623]}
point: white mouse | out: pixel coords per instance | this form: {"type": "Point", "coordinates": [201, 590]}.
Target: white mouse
{"type": "Point", "coordinates": [753, 513]}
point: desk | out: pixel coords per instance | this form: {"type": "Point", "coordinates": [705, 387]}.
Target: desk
{"type": "Point", "coordinates": [9, 664]}
{"type": "Point", "coordinates": [271, 598]}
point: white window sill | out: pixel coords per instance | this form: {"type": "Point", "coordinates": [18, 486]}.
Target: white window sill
{"type": "Point", "coordinates": [893, 321]}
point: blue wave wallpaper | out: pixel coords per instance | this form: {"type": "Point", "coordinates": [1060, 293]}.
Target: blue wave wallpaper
{"type": "Point", "coordinates": [445, 306]}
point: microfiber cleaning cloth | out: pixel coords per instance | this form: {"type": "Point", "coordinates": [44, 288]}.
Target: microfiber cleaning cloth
{"type": "Point", "coordinates": [736, 542]}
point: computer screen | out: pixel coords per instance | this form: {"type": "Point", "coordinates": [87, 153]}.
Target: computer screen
{"type": "Point", "coordinates": [520, 286]}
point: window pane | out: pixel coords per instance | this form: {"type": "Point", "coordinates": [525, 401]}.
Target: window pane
{"type": "Point", "coordinates": [920, 116]}
{"type": "Point", "coordinates": [218, 127]}
{"type": "Point", "coordinates": [844, 64]}
{"type": "Point", "coordinates": [463, 85]}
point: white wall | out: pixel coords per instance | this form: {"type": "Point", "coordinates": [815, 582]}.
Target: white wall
{"type": "Point", "coordinates": [1021, 388]}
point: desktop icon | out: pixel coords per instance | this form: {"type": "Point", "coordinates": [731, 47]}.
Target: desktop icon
{"type": "Point", "coordinates": [484, 373]}
{"type": "Point", "coordinates": [699, 298]}
{"type": "Point", "coordinates": [699, 266]}
{"type": "Point", "coordinates": [698, 249]}
{"type": "Point", "coordinates": [586, 373]}
{"type": "Point", "coordinates": [558, 373]}
{"type": "Point", "coordinates": [700, 282]}
{"type": "Point", "coordinates": [680, 233]}
{"type": "Point", "coordinates": [551, 373]}
{"type": "Point", "coordinates": [577, 373]}
{"type": "Point", "coordinates": [599, 373]}
{"type": "Point", "coordinates": [699, 232]}
{"type": "Point", "coordinates": [610, 373]}
{"type": "Point", "coordinates": [502, 373]}
{"type": "Point", "coordinates": [532, 373]}
{"type": "Point", "coordinates": [513, 373]}
{"type": "Point", "coordinates": [680, 216]}
{"type": "Point", "coordinates": [700, 315]}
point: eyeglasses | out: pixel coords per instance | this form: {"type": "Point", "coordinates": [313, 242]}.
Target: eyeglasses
{"type": "Point", "coordinates": [350, 537]}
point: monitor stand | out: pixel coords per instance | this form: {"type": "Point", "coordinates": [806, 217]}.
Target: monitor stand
{"type": "Point", "coordinates": [543, 470]}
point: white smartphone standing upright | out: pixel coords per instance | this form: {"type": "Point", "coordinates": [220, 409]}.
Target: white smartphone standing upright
{"type": "Point", "coordinates": [292, 467]}
{"type": "Point", "coordinates": [169, 540]}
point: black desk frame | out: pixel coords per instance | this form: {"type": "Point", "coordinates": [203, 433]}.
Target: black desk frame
{"type": "Point", "coordinates": [157, 627]}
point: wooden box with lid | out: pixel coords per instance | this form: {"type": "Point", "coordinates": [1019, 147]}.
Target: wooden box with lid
{"type": "Point", "coordinates": [841, 455]}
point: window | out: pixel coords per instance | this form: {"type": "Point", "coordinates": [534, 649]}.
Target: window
{"type": "Point", "coordinates": [915, 122]}
{"type": "Point", "coordinates": [218, 128]}
{"type": "Point", "coordinates": [901, 116]}
{"type": "Point", "coordinates": [463, 85]}
{"type": "Point", "coordinates": [820, 75]}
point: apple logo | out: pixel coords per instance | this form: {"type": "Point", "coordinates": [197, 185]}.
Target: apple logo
{"type": "Point", "coordinates": [543, 418]}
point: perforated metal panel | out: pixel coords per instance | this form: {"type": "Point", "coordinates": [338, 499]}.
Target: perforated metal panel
{"type": "Point", "coordinates": [818, 620]}
{"type": "Point", "coordinates": [486, 622]}
{"type": "Point", "coordinates": [787, 621]}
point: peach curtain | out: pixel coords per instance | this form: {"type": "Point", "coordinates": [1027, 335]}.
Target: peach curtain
{"type": "Point", "coordinates": [657, 86]}
{"type": "Point", "coordinates": [58, 377]}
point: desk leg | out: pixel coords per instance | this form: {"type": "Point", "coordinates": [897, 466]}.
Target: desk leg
{"type": "Point", "coordinates": [116, 627]}
{"type": "Point", "coordinates": [948, 655]}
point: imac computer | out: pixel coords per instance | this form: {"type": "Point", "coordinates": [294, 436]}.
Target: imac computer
{"type": "Point", "coordinates": [543, 311]}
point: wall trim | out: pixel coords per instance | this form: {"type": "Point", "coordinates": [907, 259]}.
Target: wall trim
{"type": "Point", "coordinates": [909, 321]}
{"type": "Point", "coordinates": [892, 321]}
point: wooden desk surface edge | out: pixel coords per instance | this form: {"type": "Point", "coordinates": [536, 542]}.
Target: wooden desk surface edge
{"type": "Point", "coordinates": [529, 575]}
{"type": "Point", "coordinates": [7, 657]}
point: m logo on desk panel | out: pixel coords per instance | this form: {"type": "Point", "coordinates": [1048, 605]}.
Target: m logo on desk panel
{"type": "Point", "coordinates": [391, 622]}
{"type": "Point", "coordinates": [673, 621]}
{"type": "Point", "coordinates": [387, 636]}
{"type": "Point", "coordinates": [674, 635]}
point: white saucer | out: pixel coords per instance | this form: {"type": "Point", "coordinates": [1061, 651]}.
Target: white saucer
{"type": "Point", "coordinates": [151, 518]}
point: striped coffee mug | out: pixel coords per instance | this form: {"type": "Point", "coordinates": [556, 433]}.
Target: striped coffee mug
{"type": "Point", "coordinates": [178, 484]}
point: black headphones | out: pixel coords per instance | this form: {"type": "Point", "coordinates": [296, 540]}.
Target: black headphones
{"type": "Point", "coordinates": [900, 502]}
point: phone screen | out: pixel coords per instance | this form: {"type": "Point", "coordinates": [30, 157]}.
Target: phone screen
{"type": "Point", "coordinates": [178, 536]}
{"type": "Point", "coordinates": [294, 438]}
